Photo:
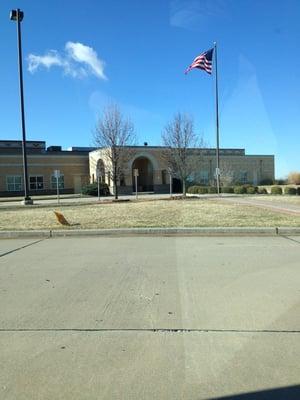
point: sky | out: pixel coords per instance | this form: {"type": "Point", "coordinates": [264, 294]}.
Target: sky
{"type": "Point", "coordinates": [80, 56]}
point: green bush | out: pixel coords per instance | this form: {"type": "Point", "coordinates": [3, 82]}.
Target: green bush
{"type": "Point", "coordinates": [239, 190]}
{"type": "Point", "coordinates": [227, 189]}
{"type": "Point", "coordinates": [92, 189]}
{"type": "Point", "coordinates": [212, 189]}
{"type": "Point", "coordinates": [262, 191]}
{"type": "Point", "coordinates": [192, 190]}
{"type": "Point", "coordinates": [298, 191]}
{"type": "Point", "coordinates": [290, 190]}
{"type": "Point", "coordinates": [276, 190]}
{"type": "Point", "coordinates": [202, 190]}
{"type": "Point", "coordinates": [251, 189]}
{"type": "Point", "coordinates": [197, 189]}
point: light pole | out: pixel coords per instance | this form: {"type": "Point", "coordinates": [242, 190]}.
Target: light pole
{"type": "Point", "coordinates": [170, 180]}
{"type": "Point", "coordinates": [17, 15]}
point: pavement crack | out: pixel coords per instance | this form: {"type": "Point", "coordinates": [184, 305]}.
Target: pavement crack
{"type": "Point", "coordinates": [291, 239]}
{"type": "Point", "coordinates": [22, 247]}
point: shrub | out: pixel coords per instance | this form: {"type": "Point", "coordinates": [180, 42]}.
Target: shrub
{"type": "Point", "coordinates": [202, 189]}
{"type": "Point", "coordinates": [262, 191]}
{"type": "Point", "coordinates": [212, 189]}
{"type": "Point", "coordinates": [252, 189]}
{"type": "Point", "coordinates": [192, 190]}
{"type": "Point", "coordinates": [298, 190]}
{"type": "Point", "coordinates": [92, 189]}
{"type": "Point", "coordinates": [239, 190]}
{"type": "Point", "coordinates": [197, 189]}
{"type": "Point", "coordinates": [227, 189]}
{"type": "Point", "coordinates": [290, 190]}
{"type": "Point", "coordinates": [266, 181]}
{"type": "Point", "coordinates": [294, 178]}
{"type": "Point", "coordinates": [276, 190]}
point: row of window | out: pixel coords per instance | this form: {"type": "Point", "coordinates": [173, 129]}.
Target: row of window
{"type": "Point", "coordinates": [14, 183]}
{"type": "Point", "coordinates": [203, 177]}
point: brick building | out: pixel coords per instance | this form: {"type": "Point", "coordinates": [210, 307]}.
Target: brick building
{"type": "Point", "coordinates": [153, 176]}
{"type": "Point", "coordinates": [78, 166]}
{"type": "Point", "coordinates": [42, 162]}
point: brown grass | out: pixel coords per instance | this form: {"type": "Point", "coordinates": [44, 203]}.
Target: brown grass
{"type": "Point", "coordinates": [159, 213]}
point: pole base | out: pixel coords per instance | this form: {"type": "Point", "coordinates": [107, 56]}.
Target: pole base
{"type": "Point", "coordinates": [27, 201]}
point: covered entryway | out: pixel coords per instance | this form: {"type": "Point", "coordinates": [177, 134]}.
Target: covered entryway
{"type": "Point", "coordinates": [145, 178]}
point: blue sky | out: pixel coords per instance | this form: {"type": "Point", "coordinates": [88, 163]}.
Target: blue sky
{"type": "Point", "coordinates": [78, 56]}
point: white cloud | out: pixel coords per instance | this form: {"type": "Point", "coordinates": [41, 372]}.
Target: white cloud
{"type": "Point", "coordinates": [48, 60]}
{"type": "Point", "coordinates": [86, 55]}
{"type": "Point", "coordinates": [78, 61]}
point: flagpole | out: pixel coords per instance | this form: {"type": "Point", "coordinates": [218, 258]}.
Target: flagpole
{"type": "Point", "coordinates": [217, 121]}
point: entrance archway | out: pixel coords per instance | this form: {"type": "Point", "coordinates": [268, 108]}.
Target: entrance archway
{"type": "Point", "coordinates": [145, 178]}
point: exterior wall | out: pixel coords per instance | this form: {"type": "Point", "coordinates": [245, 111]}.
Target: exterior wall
{"type": "Point", "coordinates": [72, 166]}
{"type": "Point", "coordinates": [254, 168]}
{"type": "Point", "coordinates": [79, 168]}
{"type": "Point", "coordinates": [154, 155]}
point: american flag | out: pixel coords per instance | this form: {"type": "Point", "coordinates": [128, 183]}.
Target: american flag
{"type": "Point", "coordinates": [203, 61]}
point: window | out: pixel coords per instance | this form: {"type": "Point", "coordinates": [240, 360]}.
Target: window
{"type": "Point", "coordinates": [61, 182]}
{"type": "Point", "coordinates": [203, 177]}
{"type": "Point", "coordinates": [36, 182]}
{"type": "Point", "coordinates": [14, 183]}
{"type": "Point", "coordinates": [122, 180]}
{"type": "Point", "coordinates": [164, 177]}
{"type": "Point", "coordinates": [243, 177]}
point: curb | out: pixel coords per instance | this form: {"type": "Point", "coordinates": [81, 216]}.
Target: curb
{"type": "Point", "coordinates": [222, 231]}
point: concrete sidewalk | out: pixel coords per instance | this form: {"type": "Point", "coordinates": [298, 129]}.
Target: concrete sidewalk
{"type": "Point", "coordinates": [148, 317]}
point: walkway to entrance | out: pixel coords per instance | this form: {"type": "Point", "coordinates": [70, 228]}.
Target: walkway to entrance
{"type": "Point", "coordinates": [145, 178]}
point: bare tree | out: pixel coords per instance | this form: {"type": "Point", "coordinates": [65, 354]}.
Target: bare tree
{"type": "Point", "coordinates": [114, 134]}
{"type": "Point", "coordinates": [181, 142]}
{"type": "Point", "coordinates": [227, 173]}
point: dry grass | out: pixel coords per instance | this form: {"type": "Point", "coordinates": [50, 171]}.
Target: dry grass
{"type": "Point", "coordinates": [159, 213]}
{"type": "Point", "coordinates": [277, 199]}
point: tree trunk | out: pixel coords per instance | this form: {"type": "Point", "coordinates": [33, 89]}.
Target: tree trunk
{"type": "Point", "coordinates": [116, 187]}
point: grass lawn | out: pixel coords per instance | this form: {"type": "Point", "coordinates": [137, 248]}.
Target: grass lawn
{"type": "Point", "coordinates": [278, 198]}
{"type": "Point", "coordinates": [158, 213]}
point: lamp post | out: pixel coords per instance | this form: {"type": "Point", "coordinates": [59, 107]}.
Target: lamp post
{"type": "Point", "coordinates": [17, 15]}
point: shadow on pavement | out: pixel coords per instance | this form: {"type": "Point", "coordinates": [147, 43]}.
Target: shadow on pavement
{"type": "Point", "coordinates": [285, 393]}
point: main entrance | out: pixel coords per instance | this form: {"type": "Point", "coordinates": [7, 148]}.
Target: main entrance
{"type": "Point", "coordinates": [145, 178]}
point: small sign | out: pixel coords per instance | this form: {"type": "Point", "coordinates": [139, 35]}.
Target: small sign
{"type": "Point", "coordinates": [217, 171]}
{"type": "Point", "coordinates": [98, 173]}
{"type": "Point", "coordinates": [56, 173]}
{"type": "Point", "coordinates": [136, 172]}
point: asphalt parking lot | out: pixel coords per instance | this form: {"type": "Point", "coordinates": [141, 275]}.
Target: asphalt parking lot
{"type": "Point", "coordinates": [149, 317]}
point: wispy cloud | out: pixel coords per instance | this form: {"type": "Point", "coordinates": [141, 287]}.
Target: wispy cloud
{"type": "Point", "coordinates": [77, 60]}
{"type": "Point", "coordinates": [195, 14]}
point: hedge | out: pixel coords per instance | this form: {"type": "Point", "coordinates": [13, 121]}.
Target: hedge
{"type": "Point", "coordinates": [212, 189]}
{"type": "Point", "coordinates": [262, 191]}
{"type": "Point", "coordinates": [290, 190]}
{"type": "Point", "coordinates": [92, 189]}
{"type": "Point", "coordinates": [252, 190]}
{"type": "Point", "coordinates": [239, 190]}
{"type": "Point", "coordinates": [227, 189]}
{"type": "Point", "coordinates": [276, 190]}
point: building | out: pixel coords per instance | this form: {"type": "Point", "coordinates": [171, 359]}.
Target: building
{"type": "Point", "coordinates": [73, 165]}
{"type": "Point", "coordinates": [78, 166]}
{"type": "Point", "coordinates": [235, 165]}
